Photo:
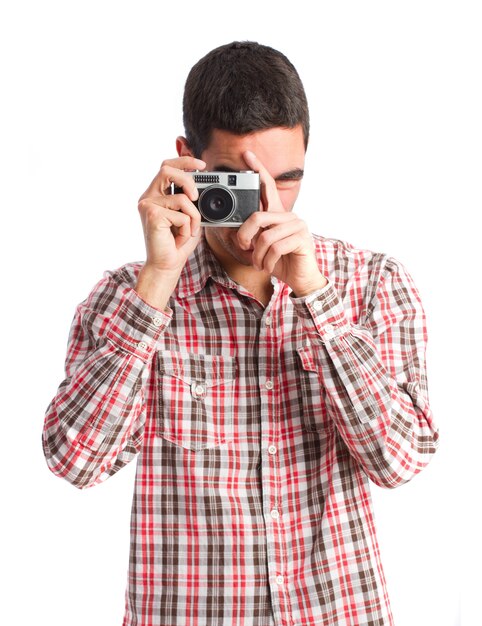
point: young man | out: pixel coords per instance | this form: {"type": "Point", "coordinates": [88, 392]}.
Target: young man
{"type": "Point", "coordinates": [262, 375]}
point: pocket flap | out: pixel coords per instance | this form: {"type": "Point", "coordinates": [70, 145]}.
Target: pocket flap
{"type": "Point", "coordinates": [211, 369]}
{"type": "Point", "coordinates": [307, 361]}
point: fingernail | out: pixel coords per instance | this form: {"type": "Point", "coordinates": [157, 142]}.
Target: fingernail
{"type": "Point", "coordinates": [250, 154]}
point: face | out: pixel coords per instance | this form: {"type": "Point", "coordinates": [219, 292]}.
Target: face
{"type": "Point", "coordinates": [280, 150]}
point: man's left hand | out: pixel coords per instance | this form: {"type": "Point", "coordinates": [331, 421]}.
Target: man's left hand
{"type": "Point", "coordinates": [282, 244]}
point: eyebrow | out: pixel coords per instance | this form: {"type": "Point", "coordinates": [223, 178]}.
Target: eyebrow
{"type": "Point", "coordinates": [294, 174]}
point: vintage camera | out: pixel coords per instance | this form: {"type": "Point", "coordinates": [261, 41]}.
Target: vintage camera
{"type": "Point", "coordinates": [225, 198]}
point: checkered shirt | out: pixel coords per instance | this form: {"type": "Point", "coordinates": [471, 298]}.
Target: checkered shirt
{"type": "Point", "coordinates": [256, 431]}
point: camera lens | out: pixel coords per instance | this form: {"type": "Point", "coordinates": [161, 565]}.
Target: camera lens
{"type": "Point", "coordinates": [216, 204]}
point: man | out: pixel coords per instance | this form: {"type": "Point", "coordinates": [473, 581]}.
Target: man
{"type": "Point", "coordinates": [262, 375]}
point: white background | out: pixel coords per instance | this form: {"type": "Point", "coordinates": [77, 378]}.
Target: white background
{"type": "Point", "coordinates": [91, 105]}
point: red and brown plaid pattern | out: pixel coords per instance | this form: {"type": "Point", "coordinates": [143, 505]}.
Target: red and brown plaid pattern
{"type": "Point", "coordinates": [257, 430]}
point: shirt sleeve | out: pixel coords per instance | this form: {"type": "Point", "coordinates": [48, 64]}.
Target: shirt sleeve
{"type": "Point", "coordinates": [374, 374]}
{"type": "Point", "coordinates": [95, 423]}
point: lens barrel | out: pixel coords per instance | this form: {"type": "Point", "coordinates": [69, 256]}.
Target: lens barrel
{"type": "Point", "coordinates": [216, 203]}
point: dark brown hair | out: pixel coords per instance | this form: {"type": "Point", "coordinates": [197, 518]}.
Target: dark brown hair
{"type": "Point", "coordinates": [242, 87]}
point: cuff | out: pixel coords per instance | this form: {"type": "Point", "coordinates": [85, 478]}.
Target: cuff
{"type": "Point", "coordinates": [136, 326]}
{"type": "Point", "coordinates": [322, 313]}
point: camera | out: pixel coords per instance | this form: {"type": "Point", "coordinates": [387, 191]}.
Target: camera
{"type": "Point", "coordinates": [225, 198]}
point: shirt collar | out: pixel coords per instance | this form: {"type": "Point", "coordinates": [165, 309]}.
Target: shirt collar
{"type": "Point", "coordinates": [203, 265]}
{"type": "Point", "coordinates": [200, 266]}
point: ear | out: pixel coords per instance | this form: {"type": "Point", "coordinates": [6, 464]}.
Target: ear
{"type": "Point", "coordinates": [182, 147]}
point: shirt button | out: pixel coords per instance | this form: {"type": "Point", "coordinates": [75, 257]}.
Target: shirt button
{"type": "Point", "coordinates": [274, 514]}
{"type": "Point", "coordinates": [328, 328]}
{"type": "Point", "coordinates": [142, 345]}
{"type": "Point", "coordinates": [199, 390]}
{"type": "Point", "coordinates": [279, 580]}
{"type": "Point", "coordinates": [157, 321]}
{"type": "Point", "coordinates": [272, 450]}
{"type": "Point", "coordinates": [269, 384]}
{"type": "Point", "coordinates": [317, 305]}
{"type": "Point", "coordinates": [268, 321]}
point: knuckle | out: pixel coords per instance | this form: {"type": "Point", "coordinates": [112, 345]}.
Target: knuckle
{"type": "Point", "coordinates": [166, 172]}
{"type": "Point", "coordinates": [151, 213]}
{"type": "Point", "coordinates": [185, 203]}
{"type": "Point", "coordinates": [142, 205]}
{"type": "Point", "coordinates": [176, 200]}
{"type": "Point", "coordinates": [264, 237]}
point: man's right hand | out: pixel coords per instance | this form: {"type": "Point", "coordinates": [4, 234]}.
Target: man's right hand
{"type": "Point", "coordinates": [172, 229]}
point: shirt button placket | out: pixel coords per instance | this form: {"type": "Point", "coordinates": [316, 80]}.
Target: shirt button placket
{"type": "Point", "coordinates": [274, 513]}
{"type": "Point", "coordinates": [270, 480]}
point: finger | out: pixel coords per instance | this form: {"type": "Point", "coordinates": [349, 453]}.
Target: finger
{"type": "Point", "coordinates": [279, 249]}
{"type": "Point", "coordinates": [186, 163]}
{"type": "Point", "coordinates": [169, 174]}
{"type": "Point", "coordinates": [158, 219]}
{"type": "Point", "coordinates": [167, 207]}
{"type": "Point", "coordinates": [269, 198]}
{"type": "Point", "coordinates": [269, 238]}
{"type": "Point", "coordinates": [177, 202]}
{"type": "Point", "coordinates": [255, 164]}
{"type": "Point", "coordinates": [180, 202]}
{"type": "Point", "coordinates": [182, 230]}
{"type": "Point", "coordinates": [261, 220]}
{"type": "Point", "coordinates": [160, 184]}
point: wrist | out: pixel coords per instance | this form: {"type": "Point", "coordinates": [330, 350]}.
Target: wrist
{"type": "Point", "coordinates": [309, 287]}
{"type": "Point", "coordinates": [155, 286]}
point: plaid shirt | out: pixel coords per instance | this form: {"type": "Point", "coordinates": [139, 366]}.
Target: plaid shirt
{"type": "Point", "coordinates": [257, 431]}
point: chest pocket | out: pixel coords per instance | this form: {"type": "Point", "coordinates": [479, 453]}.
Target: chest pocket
{"type": "Point", "coordinates": [196, 399]}
{"type": "Point", "coordinates": [315, 413]}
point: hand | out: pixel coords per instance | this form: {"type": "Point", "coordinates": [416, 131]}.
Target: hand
{"type": "Point", "coordinates": [282, 244]}
{"type": "Point", "coordinates": [172, 228]}
{"type": "Point", "coordinates": [172, 224]}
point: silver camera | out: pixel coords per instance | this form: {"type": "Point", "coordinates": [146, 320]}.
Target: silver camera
{"type": "Point", "coordinates": [225, 198]}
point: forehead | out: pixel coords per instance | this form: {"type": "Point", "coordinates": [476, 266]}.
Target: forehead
{"type": "Point", "coordinates": [279, 149]}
